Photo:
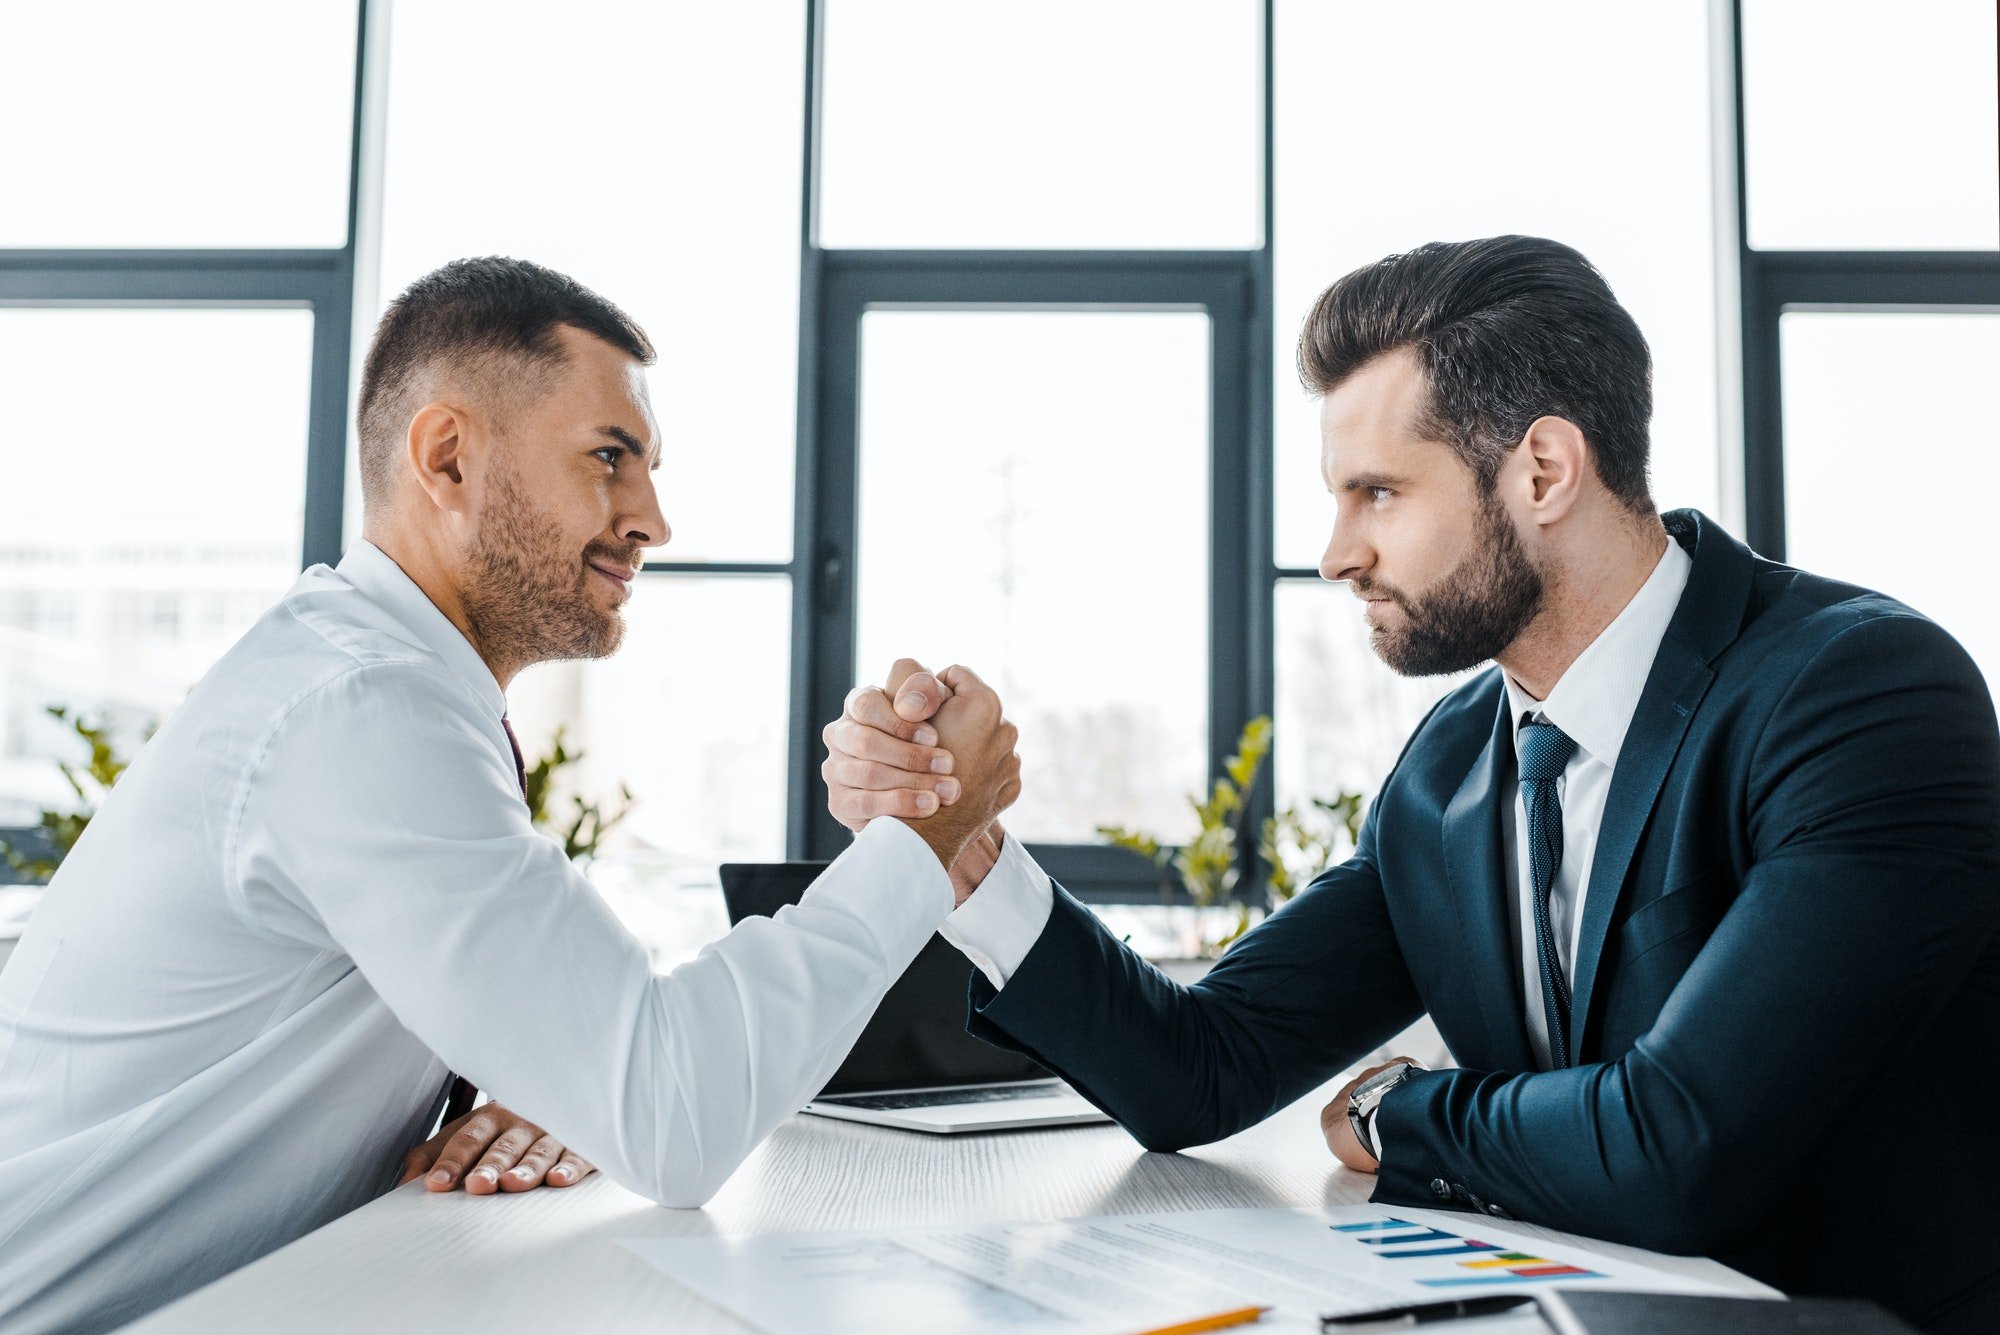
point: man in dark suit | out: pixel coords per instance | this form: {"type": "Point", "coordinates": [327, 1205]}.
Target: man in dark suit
{"type": "Point", "coordinates": [1701, 884]}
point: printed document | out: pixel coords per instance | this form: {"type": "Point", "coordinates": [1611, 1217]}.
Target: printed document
{"type": "Point", "coordinates": [1124, 1273]}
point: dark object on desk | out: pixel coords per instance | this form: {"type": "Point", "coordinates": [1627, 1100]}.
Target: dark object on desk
{"type": "Point", "coordinates": [1424, 1314]}
{"type": "Point", "coordinates": [914, 1066]}
{"type": "Point", "coordinates": [1574, 1313]}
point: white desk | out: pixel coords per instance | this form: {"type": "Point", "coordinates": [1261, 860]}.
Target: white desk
{"type": "Point", "coordinates": [549, 1260]}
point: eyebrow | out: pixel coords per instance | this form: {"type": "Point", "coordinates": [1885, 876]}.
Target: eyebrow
{"type": "Point", "coordinates": [1364, 481]}
{"type": "Point", "coordinates": [628, 440]}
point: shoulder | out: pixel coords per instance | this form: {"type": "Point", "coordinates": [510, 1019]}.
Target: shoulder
{"type": "Point", "coordinates": [1804, 630]}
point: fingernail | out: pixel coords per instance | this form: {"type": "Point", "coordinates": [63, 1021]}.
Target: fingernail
{"type": "Point", "coordinates": [486, 1173]}
{"type": "Point", "coordinates": [947, 790]}
{"type": "Point", "coordinates": [926, 737]}
{"type": "Point", "coordinates": [440, 1176]}
{"type": "Point", "coordinates": [561, 1172]}
{"type": "Point", "coordinates": [520, 1174]}
{"type": "Point", "coordinates": [926, 803]}
{"type": "Point", "coordinates": [941, 765]}
{"type": "Point", "coordinates": [911, 702]}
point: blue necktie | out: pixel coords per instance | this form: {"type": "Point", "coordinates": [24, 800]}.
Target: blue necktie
{"type": "Point", "coordinates": [1545, 751]}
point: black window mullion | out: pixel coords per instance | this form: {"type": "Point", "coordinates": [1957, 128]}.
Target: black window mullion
{"type": "Point", "coordinates": [1227, 286]}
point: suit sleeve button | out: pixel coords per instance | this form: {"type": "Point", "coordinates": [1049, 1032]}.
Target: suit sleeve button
{"type": "Point", "coordinates": [1440, 1188]}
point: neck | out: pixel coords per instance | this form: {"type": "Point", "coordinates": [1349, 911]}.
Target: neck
{"type": "Point", "coordinates": [425, 565]}
{"type": "Point", "coordinates": [1590, 581]}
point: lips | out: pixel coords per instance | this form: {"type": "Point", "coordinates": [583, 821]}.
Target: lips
{"type": "Point", "coordinates": [620, 575]}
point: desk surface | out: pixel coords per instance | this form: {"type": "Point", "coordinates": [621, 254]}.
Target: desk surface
{"type": "Point", "coordinates": [548, 1260]}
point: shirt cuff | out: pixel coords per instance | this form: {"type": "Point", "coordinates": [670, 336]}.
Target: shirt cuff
{"type": "Point", "coordinates": [1000, 922]}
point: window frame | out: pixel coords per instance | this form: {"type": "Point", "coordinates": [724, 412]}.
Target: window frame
{"type": "Point", "coordinates": [837, 287]}
{"type": "Point", "coordinates": [1775, 282]}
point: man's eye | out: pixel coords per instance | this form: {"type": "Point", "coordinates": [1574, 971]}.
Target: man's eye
{"type": "Point", "coordinates": [1379, 493]}
{"type": "Point", "coordinates": [610, 454]}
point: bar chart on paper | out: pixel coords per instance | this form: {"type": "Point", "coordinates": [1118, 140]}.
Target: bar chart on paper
{"type": "Point", "coordinates": [1472, 1261]}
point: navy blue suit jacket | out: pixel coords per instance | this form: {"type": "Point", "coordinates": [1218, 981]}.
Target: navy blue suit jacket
{"type": "Point", "coordinates": [1787, 990]}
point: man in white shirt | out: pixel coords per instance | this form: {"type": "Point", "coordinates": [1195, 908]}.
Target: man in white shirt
{"type": "Point", "coordinates": [317, 890]}
{"type": "Point", "coordinates": [1701, 884]}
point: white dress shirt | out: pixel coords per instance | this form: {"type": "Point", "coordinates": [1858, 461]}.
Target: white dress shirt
{"type": "Point", "coordinates": [316, 889]}
{"type": "Point", "coordinates": [1593, 703]}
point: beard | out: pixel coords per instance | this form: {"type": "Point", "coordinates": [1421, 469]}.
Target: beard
{"type": "Point", "coordinates": [527, 596]}
{"type": "Point", "coordinates": [1469, 615]}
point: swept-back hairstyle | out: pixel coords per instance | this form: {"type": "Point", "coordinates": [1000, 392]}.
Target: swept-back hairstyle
{"type": "Point", "coordinates": [491, 316]}
{"type": "Point", "coordinates": [1508, 329]}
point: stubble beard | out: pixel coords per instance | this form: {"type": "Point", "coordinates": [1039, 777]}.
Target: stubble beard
{"type": "Point", "coordinates": [1472, 613]}
{"type": "Point", "coordinates": [527, 596]}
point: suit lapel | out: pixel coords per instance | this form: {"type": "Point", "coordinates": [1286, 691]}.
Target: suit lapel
{"type": "Point", "coordinates": [1472, 852]}
{"type": "Point", "coordinates": [1706, 622]}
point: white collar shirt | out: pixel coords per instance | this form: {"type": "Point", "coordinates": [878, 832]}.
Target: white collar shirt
{"type": "Point", "coordinates": [317, 886]}
{"type": "Point", "coordinates": [1593, 702]}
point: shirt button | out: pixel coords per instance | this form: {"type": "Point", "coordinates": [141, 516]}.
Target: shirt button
{"type": "Point", "coordinates": [1497, 1212]}
{"type": "Point", "coordinates": [1440, 1188]}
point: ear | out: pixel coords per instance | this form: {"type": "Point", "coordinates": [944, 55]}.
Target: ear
{"type": "Point", "coordinates": [437, 448]}
{"type": "Point", "coordinates": [1557, 465]}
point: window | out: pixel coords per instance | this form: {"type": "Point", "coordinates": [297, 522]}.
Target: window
{"type": "Point", "coordinates": [1891, 458]}
{"type": "Point", "coordinates": [997, 508]}
{"type": "Point", "coordinates": [603, 175]}
{"type": "Point", "coordinates": [205, 123]}
{"type": "Point", "coordinates": [1870, 129]}
{"type": "Point", "coordinates": [143, 434]}
{"type": "Point", "coordinates": [1869, 276]}
{"type": "Point", "coordinates": [1455, 145]}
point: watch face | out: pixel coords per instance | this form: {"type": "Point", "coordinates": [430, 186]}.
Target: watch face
{"type": "Point", "coordinates": [1378, 1082]}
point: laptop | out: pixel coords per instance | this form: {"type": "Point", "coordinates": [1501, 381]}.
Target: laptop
{"type": "Point", "coordinates": [914, 1066]}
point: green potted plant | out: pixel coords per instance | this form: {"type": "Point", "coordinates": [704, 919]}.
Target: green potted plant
{"type": "Point", "coordinates": [581, 826]}
{"type": "Point", "coordinates": [1293, 845]}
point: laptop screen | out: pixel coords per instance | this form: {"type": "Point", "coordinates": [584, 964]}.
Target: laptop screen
{"type": "Point", "coordinates": [917, 1038]}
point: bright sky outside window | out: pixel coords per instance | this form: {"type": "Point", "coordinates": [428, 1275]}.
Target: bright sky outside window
{"type": "Point", "coordinates": [165, 450]}
{"type": "Point", "coordinates": [1870, 127]}
{"type": "Point", "coordinates": [1892, 460]}
{"type": "Point", "coordinates": [1034, 504]}
{"type": "Point", "coordinates": [653, 153]}
{"type": "Point", "coordinates": [1125, 124]}
{"type": "Point", "coordinates": [1388, 137]}
{"type": "Point", "coordinates": [200, 124]}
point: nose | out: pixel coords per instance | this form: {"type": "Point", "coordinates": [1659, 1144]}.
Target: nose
{"type": "Point", "coordinates": [1346, 556]}
{"type": "Point", "coordinates": [644, 525]}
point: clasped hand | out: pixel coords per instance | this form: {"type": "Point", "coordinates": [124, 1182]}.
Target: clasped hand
{"type": "Point", "coordinates": [933, 750]}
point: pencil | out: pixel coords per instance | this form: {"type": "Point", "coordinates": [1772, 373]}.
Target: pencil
{"type": "Point", "coordinates": [1242, 1316]}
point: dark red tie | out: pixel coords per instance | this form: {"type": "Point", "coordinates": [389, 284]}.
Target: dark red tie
{"type": "Point", "coordinates": [460, 1092]}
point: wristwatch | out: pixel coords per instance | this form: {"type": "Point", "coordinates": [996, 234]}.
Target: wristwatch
{"type": "Point", "coordinates": [1367, 1096]}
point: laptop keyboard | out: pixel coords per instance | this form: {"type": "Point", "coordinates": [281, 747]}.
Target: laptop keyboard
{"type": "Point", "coordinates": [943, 1098]}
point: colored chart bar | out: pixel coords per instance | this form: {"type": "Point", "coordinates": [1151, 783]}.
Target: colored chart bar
{"type": "Point", "coordinates": [1503, 1260]}
{"type": "Point", "coordinates": [1421, 1235]}
{"type": "Point", "coordinates": [1461, 1249]}
{"type": "Point", "coordinates": [1505, 1279]}
{"type": "Point", "coordinates": [1372, 1225]}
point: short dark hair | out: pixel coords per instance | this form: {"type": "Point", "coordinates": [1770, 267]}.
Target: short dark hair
{"type": "Point", "coordinates": [1508, 329]}
{"type": "Point", "coordinates": [470, 313]}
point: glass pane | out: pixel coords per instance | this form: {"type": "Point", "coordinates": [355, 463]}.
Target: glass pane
{"type": "Point", "coordinates": [1870, 126]}
{"type": "Point", "coordinates": [1342, 715]}
{"type": "Point", "coordinates": [658, 162]}
{"type": "Point", "coordinates": [1617, 165]}
{"type": "Point", "coordinates": [1892, 458]}
{"type": "Point", "coordinates": [690, 714]}
{"type": "Point", "coordinates": [214, 123]}
{"type": "Point", "coordinates": [1049, 530]}
{"type": "Point", "coordinates": [153, 463]}
{"type": "Point", "coordinates": [1123, 123]}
